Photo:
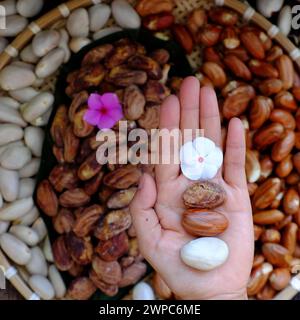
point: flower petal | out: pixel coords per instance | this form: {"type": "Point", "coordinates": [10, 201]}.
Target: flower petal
{"type": "Point", "coordinates": [95, 101]}
{"type": "Point", "coordinates": [188, 154]}
{"type": "Point", "coordinates": [106, 122]}
{"type": "Point", "coordinates": [115, 113]}
{"type": "Point", "coordinates": [192, 172]}
{"type": "Point", "coordinates": [92, 117]}
{"type": "Point", "coordinates": [215, 158]}
{"type": "Point", "coordinates": [110, 100]}
{"type": "Point", "coordinates": [204, 146]}
{"type": "Point", "coordinates": [209, 171]}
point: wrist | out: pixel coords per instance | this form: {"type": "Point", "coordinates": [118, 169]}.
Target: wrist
{"type": "Point", "coordinates": [231, 296]}
{"type": "Point", "coordinates": [237, 295]}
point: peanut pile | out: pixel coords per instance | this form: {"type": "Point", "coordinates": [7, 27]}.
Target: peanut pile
{"type": "Point", "coordinates": [88, 202]}
{"type": "Point", "coordinates": [256, 81]}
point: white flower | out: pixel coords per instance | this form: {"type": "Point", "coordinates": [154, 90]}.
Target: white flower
{"type": "Point", "coordinates": [200, 159]}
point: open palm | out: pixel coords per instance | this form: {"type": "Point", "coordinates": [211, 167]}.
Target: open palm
{"type": "Point", "coordinates": [157, 207]}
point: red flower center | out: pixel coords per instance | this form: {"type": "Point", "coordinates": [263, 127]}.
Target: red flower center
{"type": "Point", "coordinates": [200, 159]}
{"type": "Point", "coordinates": [103, 111]}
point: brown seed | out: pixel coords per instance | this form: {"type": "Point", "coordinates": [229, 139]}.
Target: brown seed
{"type": "Point", "coordinates": [268, 217]}
{"type": "Point", "coordinates": [280, 278]}
{"type": "Point", "coordinates": [291, 201]}
{"type": "Point", "coordinates": [47, 199]}
{"type": "Point", "coordinates": [266, 193]}
{"type": "Point", "coordinates": [204, 223]}
{"type": "Point", "coordinates": [204, 195]}
{"type": "Point", "coordinates": [270, 235]}
{"type": "Point", "coordinates": [276, 254]}
{"type": "Point", "coordinates": [258, 278]}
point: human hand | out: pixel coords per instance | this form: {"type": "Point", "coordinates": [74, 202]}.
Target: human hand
{"type": "Point", "coordinates": [157, 206]}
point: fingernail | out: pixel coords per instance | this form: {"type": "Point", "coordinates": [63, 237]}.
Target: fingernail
{"type": "Point", "coordinates": [141, 182]}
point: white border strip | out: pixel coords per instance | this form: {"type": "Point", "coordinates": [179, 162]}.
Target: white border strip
{"type": "Point", "coordinates": [64, 10]}
{"type": "Point", "coordinates": [11, 51]}
{"type": "Point", "coordinates": [10, 272]}
{"type": "Point", "coordinates": [295, 54]}
{"type": "Point", "coordinates": [219, 3]}
{"type": "Point", "coordinates": [248, 14]}
{"type": "Point", "coordinates": [273, 31]}
{"type": "Point", "coordinates": [295, 283]}
{"type": "Point", "coordinates": [34, 296]}
{"type": "Point", "coordinates": [34, 28]}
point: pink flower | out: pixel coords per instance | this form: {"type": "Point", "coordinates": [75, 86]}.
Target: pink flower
{"type": "Point", "coordinates": [104, 110]}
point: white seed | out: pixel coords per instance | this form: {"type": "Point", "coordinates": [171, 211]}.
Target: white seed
{"type": "Point", "coordinates": [38, 82]}
{"type": "Point", "coordinates": [4, 225]}
{"type": "Point", "coordinates": [99, 15]}
{"type": "Point", "coordinates": [37, 263]}
{"type": "Point", "coordinates": [3, 44]}
{"type": "Point", "coordinates": [267, 7]}
{"type": "Point", "coordinates": [15, 249]}
{"type": "Point", "coordinates": [26, 189]}
{"type": "Point", "coordinates": [47, 249]}
{"type": "Point", "coordinates": [9, 6]}
{"type": "Point", "coordinates": [28, 218]}
{"type": "Point", "coordinates": [37, 106]}
{"type": "Point", "coordinates": [205, 253]}
{"type": "Point", "coordinates": [76, 44]}
{"type": "Point", "coordinates": [30, 169]}
{"type": "Point", "coordinates": [24, 95]}
{"type": "Point", "coordinates": [43, 119]}
{"type": "Point", "coordinates": [25, 234]}
{"type": "Point", "coordinates": [40, 227]}
{"type": "Point", "coordinates": [16, 209]}
{"type": "Point", "coordinates": [11, 144]}
{"type": "Point", "coordinates": [14, 77]}
{"type": "Point", "coordinates": [15, 158]}
{"type": "Point", "coordinates": [8, 101]}
{"type": "Point", "coordinates": [106, 32]}
{"type": "Point", "coordinates": [64, 44]}
{"type": "Point", "coordinates": [142, 291]}
{"type": "Point", "coordinates": [42, 286]}
{"type": "Point", "coordinates": [23, 65]}
{"type": "Point", "coordinates": [14, 25]}
{"type": "Point", "coordinates": [10, 133]}
{"type": "Point", "coordinates": [78, 23]}
{"type": "Point", "coordinates": [50, 63]}
{"type": "Point", "coordinates": [125, 15]}
{"type": "Point", "coordinates": [27, 55]}
{"type": "Point", "coordinates": [11, 115]}
{"type": "Point", "coordinates": [285, 20]}
{"type": "Point", "coordinates": [29, 8]}
{"type": "Point", "coordinates": [57, 282]}
{"type": "Point", "coordinates": [44, 42]}
{"type": "Point", "coordinates": [9, 184]}
{"type": "Point", "coordinates": [34, 138]}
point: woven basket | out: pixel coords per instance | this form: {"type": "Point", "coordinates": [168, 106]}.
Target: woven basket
{"type": "Point", "coordinates": [55, 19]}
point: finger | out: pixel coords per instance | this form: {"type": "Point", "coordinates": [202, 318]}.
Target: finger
{"type": "Point", "coordinates": [189, 101]}
{"type": "Point", "coordinates": [169, 120]}
{"type": "Point", "coordinates": [209, 115]}
{"type": "Point", "coordinates": [169, 113]}
{"type": "Point", "coordinates": [234, 164]}
{"type": "Point", "coordinates": [144, 217]}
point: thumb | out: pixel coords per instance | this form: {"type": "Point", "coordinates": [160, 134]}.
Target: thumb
{"type": "Point", "coordinates": [144, 217]}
